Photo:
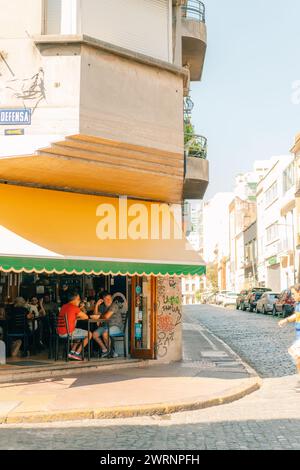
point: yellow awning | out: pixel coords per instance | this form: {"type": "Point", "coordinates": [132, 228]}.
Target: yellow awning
{"type": "Point", "coordinates": [62, 232]}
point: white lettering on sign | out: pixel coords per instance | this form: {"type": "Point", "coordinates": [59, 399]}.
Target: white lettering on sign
{"type": "Point", "coordinates": [15, 116]}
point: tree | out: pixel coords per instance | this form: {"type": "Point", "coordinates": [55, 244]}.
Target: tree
{"type": "Point", "coordinates": [212, 276]}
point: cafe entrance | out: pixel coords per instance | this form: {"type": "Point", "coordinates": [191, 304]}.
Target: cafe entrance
{"type": "Point", "coordinates": [133, 295]}
{"type": "Point", "coordinates": [118, 248]}
{"type": "Point", "coordinates": [143, 317]}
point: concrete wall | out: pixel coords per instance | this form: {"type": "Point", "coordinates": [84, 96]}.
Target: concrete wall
{"type": "Point", "coordinates": [169, 319]}
{"type": "Point", "coordinates": [131, 102]}
{"type": "Point", "coordinates": [53, 79]}
{"type": "Point", "coordinates": [85, 89]}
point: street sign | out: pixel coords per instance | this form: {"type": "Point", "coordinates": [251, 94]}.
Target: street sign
{"type": "Point", "coordinates": [14, 132]}
{"type": "Point", "coordinates": [272, 261]}
{"type": "Point", "coordinates": [15, 117]}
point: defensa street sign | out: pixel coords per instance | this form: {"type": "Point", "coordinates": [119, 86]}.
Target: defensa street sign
{"type": "Point", "coordinates": [15, 117]}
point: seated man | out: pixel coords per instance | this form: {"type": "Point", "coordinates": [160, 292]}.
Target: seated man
{"type": "Point", "coordinates": [106, 309]}
{"type": "Point", "coordinates": [72, 313]}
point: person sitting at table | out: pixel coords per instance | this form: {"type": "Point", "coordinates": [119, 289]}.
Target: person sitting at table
{"type": "Point", "coordinates": [37, 310]}
{"type": "Point", "coordinates": [82, 307]}
{"type": "Point", "coordinates": [72, 313]}
{"type": "Point", "coordinates": [90, 305]}
{"type": "Point", "coordinates": [18, 309]}
{"type": "Point", "coordinates": [109, 311]}
{"type": "Point", "coordinates": [64, 293]}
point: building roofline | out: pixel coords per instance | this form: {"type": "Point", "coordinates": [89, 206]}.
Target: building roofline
{"type": "Point", "coordinates": [83, 39]}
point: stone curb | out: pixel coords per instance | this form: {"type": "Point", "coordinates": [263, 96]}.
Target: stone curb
{"type": "Point", "coordinates": [254, 384]}
{"type": "Point", "coordinates": [133, 411]}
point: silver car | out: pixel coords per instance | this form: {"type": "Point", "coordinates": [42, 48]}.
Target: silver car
{"type": "Point", "coordinates": [229, 299]}
{"type": "Point", "coordinates": [266, 302]}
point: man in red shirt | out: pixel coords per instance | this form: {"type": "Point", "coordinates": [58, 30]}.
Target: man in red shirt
{"type": "Point", "coordinates": [71, 312]}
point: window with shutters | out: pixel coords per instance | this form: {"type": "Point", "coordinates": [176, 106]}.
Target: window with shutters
{"type": "Point", "coordinates": [60, 16]}
{"type": "Point", "coordinates": [53, 10]}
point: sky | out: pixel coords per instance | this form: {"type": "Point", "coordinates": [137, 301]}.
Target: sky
{"type": "Point", "coordinates": [245, 104]}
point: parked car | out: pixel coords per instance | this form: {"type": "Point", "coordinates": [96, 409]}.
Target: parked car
{"type": "Point", "coordinates": [252, 297]}
{"type": "Point", "coordinates": [266, 302]}
{"type": "Point", "coordinates": [209, 298]}
{"type": "Point", "coordinates": [220, 296]}
{"type": "Point", "coordinates": [240, 299]}
{"type": "Point", "coordinates": [285, 304]}
{"type": "Point", "coordinates": [229, 299]}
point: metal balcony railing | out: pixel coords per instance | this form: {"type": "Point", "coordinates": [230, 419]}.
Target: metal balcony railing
{"type": "Point", "coordinates": [195, 146]}
{"type": "Point", "coordinates": [194, 10]}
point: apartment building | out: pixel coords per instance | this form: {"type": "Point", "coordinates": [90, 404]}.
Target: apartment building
{"type": "Point", "coordinates": [191, 286]}
{"type": "Point", "coordinates": [91, 95]}
{"type": "Point", "coordinates": [276, 227]}
{"type": "Point", "coordinates": [216, 235]}
{"type": "Point", "coordinates": [250, 256]}
{"type": "Point", "coordinates": [296, 153]}
{"type": "Point", "coordinates": [241, 215]}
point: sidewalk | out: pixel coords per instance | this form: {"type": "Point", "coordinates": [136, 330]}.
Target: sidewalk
{"type": "Point", "coordinates": [210, 374]}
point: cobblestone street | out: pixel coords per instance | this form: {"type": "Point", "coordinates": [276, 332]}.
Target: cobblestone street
{"type": "Point", "coordinates": [266, 419]}
{"type": "Point", "coordinates": [256, 338]}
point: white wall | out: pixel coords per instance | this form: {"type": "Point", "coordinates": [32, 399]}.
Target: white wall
{"type": "Point", "coordinates": [140, 25]}
{"type": "Point", "coordinates": [169, 319]}
{"type": "Point", "coordinates": [268, 214]}
{"type": "Point", "coordinates": [216, 226]}
{"type": "Point", "coordinates": [20, 18]}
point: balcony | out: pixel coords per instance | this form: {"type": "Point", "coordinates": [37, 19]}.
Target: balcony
{"type": "Point", "coordinates": [194, 38]}
{"type": "Point", "coordinates": [196, 167]}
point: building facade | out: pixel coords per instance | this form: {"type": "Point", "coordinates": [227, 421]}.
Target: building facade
{"type": "Point", "coordinates": [192, 287]}
{"type": "Point", "coordinates": [250, 256]}
{"type": "Point", "coordinates": [276, 228]}
{"type": "Point", "coordinates": [91, 111]}
{"type": "Point", "coordinates": [241, 215]}
{"type": "Point", "coordinates": [216, 235]}
{"type": "Point", "coordinates": [296, 153]}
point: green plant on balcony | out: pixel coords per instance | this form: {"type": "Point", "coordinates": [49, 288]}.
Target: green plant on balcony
{"type": "Point", "coordinates": [195, 145]}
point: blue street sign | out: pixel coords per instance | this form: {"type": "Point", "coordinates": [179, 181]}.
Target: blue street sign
{"type": "Point", "coordinates": [15, 117]}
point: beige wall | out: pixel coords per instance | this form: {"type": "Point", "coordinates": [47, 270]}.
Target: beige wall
{"type": "Point", "coordinates": [169, 319]}
{"type": "Point", "coordinates": [18, 18]}
{"type": "Point", "coordinates": [80, 88]}
{"type": "Point", "coordinates": [54, 81]}
{"type": "Point", "coordinates": [130, 101]}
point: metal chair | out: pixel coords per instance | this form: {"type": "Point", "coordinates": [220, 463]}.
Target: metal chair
{"type": "Point", "coordinates": [121, 336]}
{"type": "Point", "coordinates": [62, 322]}
{"type": "Point", "coordinates": [19, 330]}
{"type": "Point", "coordinates": [52, 334]}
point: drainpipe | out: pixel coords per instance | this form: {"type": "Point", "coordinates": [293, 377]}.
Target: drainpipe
{"type": "Point", "coordinates": [178, 33]}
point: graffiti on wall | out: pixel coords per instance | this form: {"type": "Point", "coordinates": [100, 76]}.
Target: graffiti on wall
{"type": "Point", "coordinates": [28, 92]}
{"type": "Point", "coordinates": [169, 314]}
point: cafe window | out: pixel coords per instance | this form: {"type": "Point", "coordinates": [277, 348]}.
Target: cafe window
{"type": "Point", "coordinates": [142, 333]}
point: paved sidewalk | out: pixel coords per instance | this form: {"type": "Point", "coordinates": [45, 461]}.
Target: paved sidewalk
{"type": "Point", "coordinates": [210, 374]}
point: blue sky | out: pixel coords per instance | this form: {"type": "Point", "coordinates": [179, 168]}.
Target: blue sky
{"type": "Point", "coordinates": [244, 102]}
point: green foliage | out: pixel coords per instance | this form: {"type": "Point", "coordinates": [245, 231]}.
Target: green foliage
{"type": "Point", "coordinates": [212, 275]}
